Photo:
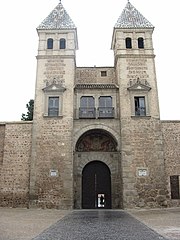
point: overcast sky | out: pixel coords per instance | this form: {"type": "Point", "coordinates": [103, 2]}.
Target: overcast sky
{"type": "Point", "coordinates": [94, 20]}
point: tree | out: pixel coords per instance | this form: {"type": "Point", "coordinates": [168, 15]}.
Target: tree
{"type": "Point", "coordinates": [29, 115]}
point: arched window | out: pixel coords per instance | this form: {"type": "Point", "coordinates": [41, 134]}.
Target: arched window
{"type": "Point", "coordinates": [62, 43]}
{"type": "Point", "coordinates": [50, 43]}
{"type": "Point", "coordinates": [128, 43]}
{"type": "Point", "coordinates": [140, 42]}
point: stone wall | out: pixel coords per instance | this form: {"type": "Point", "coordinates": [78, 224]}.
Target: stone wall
{"type": "Point", "coordinates": [2, 136]}
{"type": "Point", "coordinates": [171, 135]}
{"type": "Point", "coordinates": [93, 75]}
{"type": "Point", "coordinates": [14, 179]}
{"type": "Point", "coordinates": [52, 172]}
{"type": "Point", "coordinates": [142, 163]}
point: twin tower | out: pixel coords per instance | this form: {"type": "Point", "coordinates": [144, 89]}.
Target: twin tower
{"type": "Point", "coordinates": [96, 140]}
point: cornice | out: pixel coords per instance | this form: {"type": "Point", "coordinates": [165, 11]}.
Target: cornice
{"type": "Point", "coordinates": [55, 57]}
{"type": "Point", "coordinates": [96, 86]}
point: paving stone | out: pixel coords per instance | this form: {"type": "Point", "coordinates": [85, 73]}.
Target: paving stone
{"type": "Point", "coordinates": [92, 224]}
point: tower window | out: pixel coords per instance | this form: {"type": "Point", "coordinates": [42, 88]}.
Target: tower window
{"type": "Point", "coordinates": [62, 43]}
{"type": "Point", "coordinates": [128, 43]}
{"type": "Point", "coordinates": [53, 106]}
{"type": "Point", "coordinates": [140, 107]}
{"type": "Point", "coordinates": [175, 186]}
{"type": "Point", "coordinates": [140, 42]}
{"type": "Point", "coordinates": [50, 43]}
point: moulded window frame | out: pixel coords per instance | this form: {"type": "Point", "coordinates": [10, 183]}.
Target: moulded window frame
{"type": "Point", "coordinates": [96, 100]}
{"type": "Point", "coordinates": [50, 108]}
{"type": "Point", "coordinates": [144, 94]}
{"type": "Point", "coordinates": [144, 103]}
{"type": "Point", "coordinates": [47, 95]}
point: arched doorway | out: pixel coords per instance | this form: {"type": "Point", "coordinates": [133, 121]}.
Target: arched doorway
{"type": "Point", "coordinates": [96, 186]}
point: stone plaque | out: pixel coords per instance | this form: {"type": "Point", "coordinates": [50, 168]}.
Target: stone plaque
{"type": "Point", "coordinates": [142, 172]}
{"type": "Point", "coordinates": [53, 173]}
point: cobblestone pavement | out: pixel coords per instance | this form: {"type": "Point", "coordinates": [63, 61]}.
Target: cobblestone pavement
{"type": "Point", "coordinates": [26, 224]}
{"type": "Point", "coordinates": [95, 225]}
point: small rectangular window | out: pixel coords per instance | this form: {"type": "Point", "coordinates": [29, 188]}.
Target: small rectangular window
{"type": "Point", "coordinates": [140, 107]}
{"type": "Point", "coordinates": [103, 73]}
{"type": "Point", "coordinates": [175, 185]}
{"type": "Point", "coordinates": [53, 106]}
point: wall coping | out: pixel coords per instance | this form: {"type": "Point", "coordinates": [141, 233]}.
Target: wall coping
{"type": "Point", "coordinates": [16, 122]}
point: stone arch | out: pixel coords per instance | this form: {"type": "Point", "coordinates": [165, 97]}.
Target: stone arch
{"type": "Point", "coordinates": [110, 158]}
{"type": "Point", "coordinates": [87, 158]}
{"type": "Point", "coordinates": [109, 130]}
{"type": "Point", "coordinates": [96, 140]}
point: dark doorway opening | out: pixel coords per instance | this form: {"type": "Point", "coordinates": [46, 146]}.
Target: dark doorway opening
{"type": "Point", "coordinates": [96, 186]}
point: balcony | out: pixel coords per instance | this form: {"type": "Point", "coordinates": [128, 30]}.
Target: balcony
{"type": "Point", "coordinates": [140, 111]}
{"type": "Point", "coordinates": [87, 113]}
{"type": "Point", "coordinates": [53, 111]}
{"type": "Point", "coordinates": [105, 112]}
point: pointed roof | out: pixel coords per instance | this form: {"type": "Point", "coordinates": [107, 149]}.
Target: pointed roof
{"type": "Point", "coordinates": [57, 19]}
{"type": "Point", "coordinates": [132, 18]}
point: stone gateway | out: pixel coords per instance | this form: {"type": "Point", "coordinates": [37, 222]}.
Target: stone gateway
{"type": "Point", "coordinates": [96, 140]}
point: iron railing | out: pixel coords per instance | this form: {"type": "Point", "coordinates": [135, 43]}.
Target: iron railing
{"type": "Point", "coordinates": [87, 113]}
{"type": "Point", "coordinates": [140, 111]}
{"type": "Point", "coordinates": [53, 112]}
{"type": "Point", "coordinates": [101, 112]}
{"type": "Point", "coordinates": [105, 112]}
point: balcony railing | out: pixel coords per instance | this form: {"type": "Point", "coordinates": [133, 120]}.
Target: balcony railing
{"type": "Point", "coordinates": [87, 113]}
{"type": "Point", "coordinates": [53, 112]}
{"type": "Point", "coordinates": [105, 112]}
{"type": "Point", "coordinates": [140, 111]}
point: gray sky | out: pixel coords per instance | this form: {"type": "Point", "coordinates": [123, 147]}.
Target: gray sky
{"type": "Point", "coordinates": [94, 20]}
